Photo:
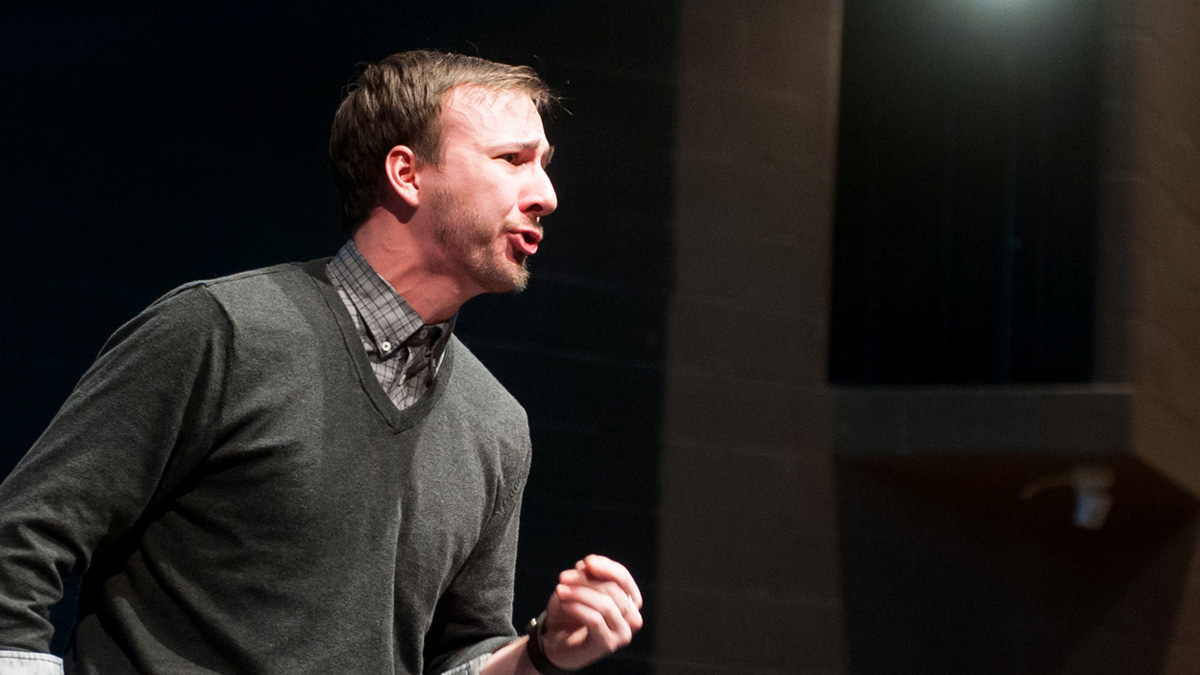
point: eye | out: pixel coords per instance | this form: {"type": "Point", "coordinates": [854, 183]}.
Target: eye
{"type": "Point", "coordinates": [511, 158]}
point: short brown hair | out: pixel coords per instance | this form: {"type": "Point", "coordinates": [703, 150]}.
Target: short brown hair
{"type": "Point", "coordinates": [398, 101]}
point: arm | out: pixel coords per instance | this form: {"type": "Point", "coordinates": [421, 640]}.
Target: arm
{"type": "Point", "coordinates": [473, 616]}
{"type": "Point", "coordinates": [593, 612]}
{"type": "Point", "coordinates": [110, 451]}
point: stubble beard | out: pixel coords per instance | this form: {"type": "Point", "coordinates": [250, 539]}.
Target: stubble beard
{"type": "Point", "coordinates": [467, 240]}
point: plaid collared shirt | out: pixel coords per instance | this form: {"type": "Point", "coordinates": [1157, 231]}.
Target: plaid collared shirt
{"type": "Point", "coordinates": [395, 338]}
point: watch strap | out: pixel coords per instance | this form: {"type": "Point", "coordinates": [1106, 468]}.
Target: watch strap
{"type": "Point", "coordinates": [535, 629]}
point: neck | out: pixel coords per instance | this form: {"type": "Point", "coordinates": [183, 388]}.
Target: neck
{"type": "Point", "coordinates": [403, 260]}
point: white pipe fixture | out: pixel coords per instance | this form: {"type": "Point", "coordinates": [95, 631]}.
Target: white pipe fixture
{"type": "Point", "coordinates": [1093, 497]}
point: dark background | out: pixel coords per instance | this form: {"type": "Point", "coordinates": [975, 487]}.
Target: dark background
{"type": "Point", "coordinates": [967, 192]}
{"type": "Point", "coordinates": [145, 145]}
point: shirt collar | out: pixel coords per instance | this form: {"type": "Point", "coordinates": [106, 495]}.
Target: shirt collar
{"type": "Point", "coordinates": [387, 318]}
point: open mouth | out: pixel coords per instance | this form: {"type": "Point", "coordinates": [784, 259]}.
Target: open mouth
{"type": "Point", "coordinates": [525, 241]}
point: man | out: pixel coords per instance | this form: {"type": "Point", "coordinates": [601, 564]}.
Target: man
{"type": "Point", "coordinates": [299, 469]}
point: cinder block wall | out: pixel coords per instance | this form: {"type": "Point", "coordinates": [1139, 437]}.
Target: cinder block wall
{"type": "Point", "coordinates": [748, 544]}
{"type": "Point", "coordinates": [1148, 313]}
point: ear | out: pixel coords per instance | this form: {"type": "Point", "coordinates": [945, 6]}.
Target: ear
{"type": "Point", "coordinates": [401, 167]}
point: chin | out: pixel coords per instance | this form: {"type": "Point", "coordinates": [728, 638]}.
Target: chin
{"type": "Point", "coordinates": [505, 276]}
{"type": "Point", "coordinates": [516, 282]}
{"type": "Point", "coordinates": [520, 284]}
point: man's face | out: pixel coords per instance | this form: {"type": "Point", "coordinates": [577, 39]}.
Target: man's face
{"type": "Point", "coordinates": [490, 188]}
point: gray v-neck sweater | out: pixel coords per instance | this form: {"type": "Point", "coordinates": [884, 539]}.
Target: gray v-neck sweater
{"type": "Point", "coordinates": [246, 499]}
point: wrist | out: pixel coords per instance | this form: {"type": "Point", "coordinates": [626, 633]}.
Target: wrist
{"type": "Point", "coordinates": [533, 647]}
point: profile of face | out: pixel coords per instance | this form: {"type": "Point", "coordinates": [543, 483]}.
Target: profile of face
{"type": "Point", "coordinates": [490, 189]}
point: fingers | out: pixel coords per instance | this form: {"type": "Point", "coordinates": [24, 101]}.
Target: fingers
{"type": "Point", "coordinates": [624, 603]}
{"type": "Point", "coordinates": [615, 606]}
{"type": "Point", "coordinates": [618, 597]}
{"type": "Point", "coordinates": [606, 588]}
{"type": "Point", "coordinates": [600, 568]}
{"type": "Point", "coordinates": [607, 622]}
{"type": "Point", "coordinates": [593, 611]}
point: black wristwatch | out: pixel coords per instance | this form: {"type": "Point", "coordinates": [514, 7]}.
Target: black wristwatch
{"type": "Point", "coordinates": [533, 647]}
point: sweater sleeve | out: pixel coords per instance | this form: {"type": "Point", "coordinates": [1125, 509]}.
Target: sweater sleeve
{"type": "Point", "coordinates": [474, 616]}
{"type": "Point", "coordinates": [140, 415]}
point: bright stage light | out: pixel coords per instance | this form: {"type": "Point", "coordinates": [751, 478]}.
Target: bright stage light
{"type": "Point", "coordinates": [1004, 7]}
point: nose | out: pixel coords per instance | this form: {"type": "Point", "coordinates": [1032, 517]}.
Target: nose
{"type": "Point", "coordinates": [539, 198]}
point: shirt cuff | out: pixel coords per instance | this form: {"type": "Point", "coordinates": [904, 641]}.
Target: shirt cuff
{"type": "Point", "coordinates": [472, 667]}
{"type": "Point", "coordinates": [32, 663]}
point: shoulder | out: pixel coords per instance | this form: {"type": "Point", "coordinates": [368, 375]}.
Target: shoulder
{"type": "Point", "coordinates": [483, 410]}
{"type": "Point", "coordinates": [278, 305]}
{"type": "Point", "coordinates": [484, 397]}
{"type": "Point", "coordinates": [479, 384]}
{"type": "Point", "coordinates": [283, 297]}
{"type": "Point", "coordinates": [265, 290]}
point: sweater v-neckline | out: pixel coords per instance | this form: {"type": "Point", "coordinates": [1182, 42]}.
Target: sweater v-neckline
{"type": "Point", "coordinates": [398, 420]}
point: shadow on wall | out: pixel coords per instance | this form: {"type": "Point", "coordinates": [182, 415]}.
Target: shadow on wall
{"type": "Point", "coordinates": [945, 569]}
